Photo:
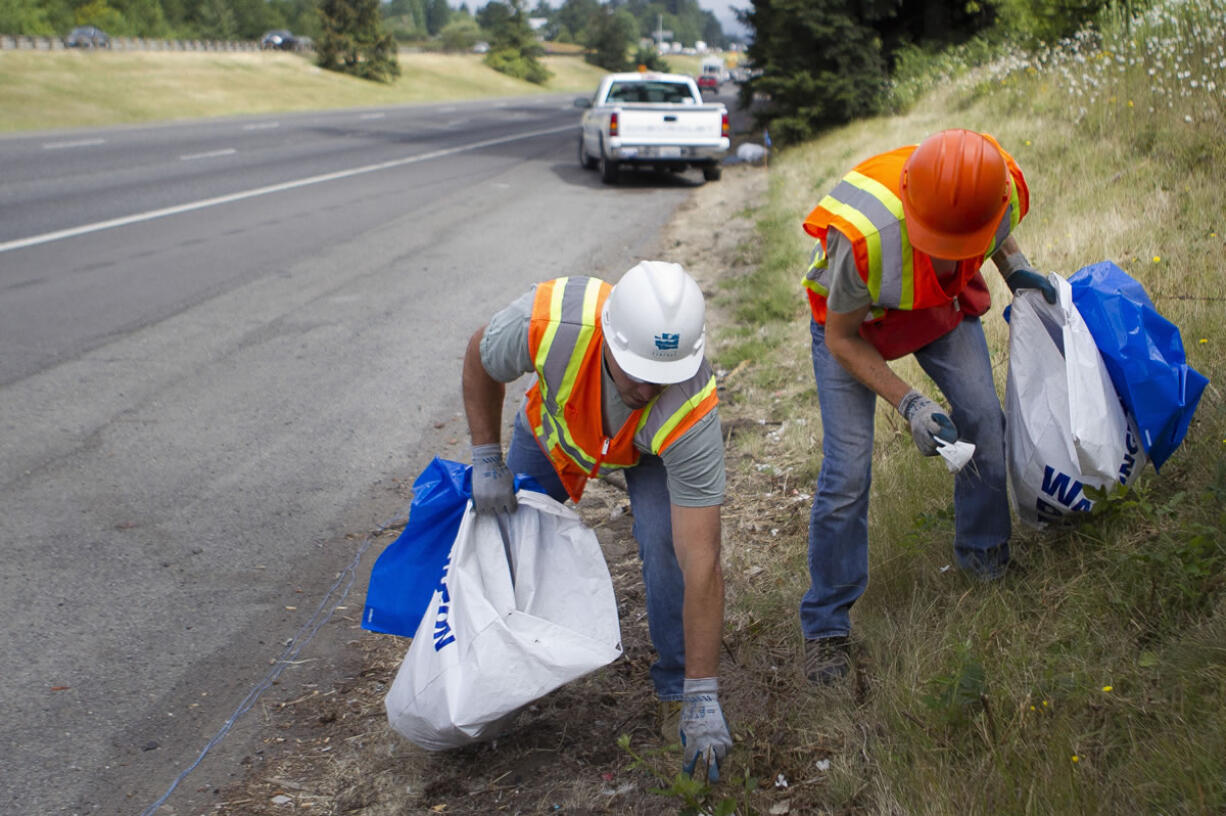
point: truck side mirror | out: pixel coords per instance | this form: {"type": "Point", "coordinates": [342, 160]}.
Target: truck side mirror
{"type": "Point", "coordinates": [583, 102]}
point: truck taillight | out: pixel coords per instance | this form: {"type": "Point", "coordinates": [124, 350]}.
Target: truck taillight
{"type": "Point", "coordinates": [724, 128]}
{"type": "Point", "coordinates": [613, 123]}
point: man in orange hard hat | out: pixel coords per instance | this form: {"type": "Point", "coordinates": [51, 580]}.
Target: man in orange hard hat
{"type": "Point", "coordinates": [895, 271]}
{"type": "Point", "coordinates": [622, 383]}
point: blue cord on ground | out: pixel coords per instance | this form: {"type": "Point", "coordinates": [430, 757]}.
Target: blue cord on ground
{"type": "Point", "coordinates": [302, 637]}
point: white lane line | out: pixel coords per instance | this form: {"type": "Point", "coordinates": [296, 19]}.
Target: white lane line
{"type": "Point", "coordinates": [212, 154]}
{"type": "Point", "coordinates": [372, 116]}
{"type": "Point", "coordinates": [262, 126]}
{"type": "Point", "coordinates": [77, 143]}
{"type": "Point", "coordinates": [137, 218]}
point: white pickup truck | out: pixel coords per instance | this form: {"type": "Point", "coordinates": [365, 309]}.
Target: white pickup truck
{"type": "Point", "coordinates": [651, 119]}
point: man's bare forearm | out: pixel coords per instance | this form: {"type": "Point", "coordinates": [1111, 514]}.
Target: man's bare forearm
{"type": "Point", "coordinates": [483, 395]}
{"type": "Point", "coordinates": [696, 538]}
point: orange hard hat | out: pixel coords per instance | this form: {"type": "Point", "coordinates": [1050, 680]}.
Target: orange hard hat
{"type": "Point", "coordinates": [955, 188]}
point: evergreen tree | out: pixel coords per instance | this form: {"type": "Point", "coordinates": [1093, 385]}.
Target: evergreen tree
{"type": "Point", "coordinates": [514, 49]}
{"type": "Point", "coordinates": [438, 14]}
{"type": "Point", "coordinates": [461, 34]}
{"type": "Point", "coordinates": [610, 34]}
{"type": "Point", "coordinates": [821, 63]}
{"type": "Point", "coordinates": [352, 40]}
{"type": "Point", "coordinates": [573, 17]}
{"type": "Point", "coordinates": [27, 17]}
{"type": "Point", "coordinates": [216, 20]}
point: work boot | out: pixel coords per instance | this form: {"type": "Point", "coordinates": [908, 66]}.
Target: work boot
{"type": "Point", "coordinates": [827, 660]}
{"type": "Point", "coordinates": [985, 565]}
{"type": "Point", "coordinates": [670, 721]}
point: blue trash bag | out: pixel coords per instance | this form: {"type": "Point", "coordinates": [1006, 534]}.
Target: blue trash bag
{"type": "Point", "coordinates": [1144, 355]}
{"type": "Point", "coordinates": [405, 575]}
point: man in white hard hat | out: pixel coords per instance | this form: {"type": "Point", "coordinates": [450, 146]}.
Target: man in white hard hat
{"type": "Point", "coordinates": [621, 383]}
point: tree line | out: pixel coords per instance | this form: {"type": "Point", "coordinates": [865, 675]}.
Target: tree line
{"type": "Point", "coordinates": [419, 21]}
{"type": "Point", "coordinates": [822, 63]}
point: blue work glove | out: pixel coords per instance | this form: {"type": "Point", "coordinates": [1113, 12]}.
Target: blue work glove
{"type": "Point", "coordinates": [1024, 278]}
{"type": "Point", "coordinates": [929, 422]}
{"type": "Point", "coordinates": [704, 731]}
{"type": "Point", "coordinates": [493, 481]}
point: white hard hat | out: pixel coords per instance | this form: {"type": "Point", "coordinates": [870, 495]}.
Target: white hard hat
{"type": "Point", "coordinates": [655, 323]}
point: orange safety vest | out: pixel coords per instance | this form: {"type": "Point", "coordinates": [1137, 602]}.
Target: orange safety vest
{"type": "Point", "coordinates": [564, 409]}
{"type": "Point", "coordinates": [911, 307]}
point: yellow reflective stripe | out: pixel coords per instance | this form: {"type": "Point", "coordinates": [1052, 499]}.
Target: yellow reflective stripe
{"type": "Point", "coordinates": [562, 434]}
{"type": "Point", "coordinates": [894, 204]}
{"type": "Point", "coordinates": [680, 414]}
{"type": "Point", "coordinates": [584, 338]}
{"type": "Point", "coordinates": [551, 331]}
{"type": "Point", "coordinates": [816, 265]}
{"type": "Point", "coordinates": [860, 221]}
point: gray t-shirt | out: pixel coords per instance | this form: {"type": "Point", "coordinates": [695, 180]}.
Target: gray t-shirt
{"type": "Point", "coordinates": [848, 291]}
{"type": "Point", "coordinates": [694, 463]}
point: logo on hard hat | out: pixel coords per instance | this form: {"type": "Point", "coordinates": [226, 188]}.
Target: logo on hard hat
{"type": "Point", "coordinates": [666, 341]}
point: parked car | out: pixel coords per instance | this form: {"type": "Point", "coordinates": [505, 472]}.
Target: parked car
{"type": "Point", "coordinates": [278, 38]}
{"type": "Point", "coordinates": [708, 82]}
{"type": "Point", "coordinates": [87, 37]}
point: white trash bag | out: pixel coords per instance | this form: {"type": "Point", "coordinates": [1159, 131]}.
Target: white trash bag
{"type": "Point", "coordinates": [1065, 427]}
{"type": "Point", "coordinates": [487, 646]}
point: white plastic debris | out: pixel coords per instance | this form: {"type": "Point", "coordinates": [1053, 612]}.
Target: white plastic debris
{"type": "Point", "coordinates": [955, 454]}
{"type": "Point", "coordinates": [750, 152]}
{"type": "Point", "coordinates": [823, 765]}
{"type": "Point", "coordinates": [781, 781]}
{"type": "Point", "coordinates": [281, 799]}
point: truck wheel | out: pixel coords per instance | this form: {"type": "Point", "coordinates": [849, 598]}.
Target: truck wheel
{"type": "Point", "coordinates": [585, 161]}
{"type": "Point", "coordinates": [712, 172]}
{"type": "Point", "coordinates": [608, 170]}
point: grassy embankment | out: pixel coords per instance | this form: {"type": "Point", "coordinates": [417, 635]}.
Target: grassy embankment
{"type": "Point", "coordinates": [1093, 680]}
{"type": "Point", "coordinates": [57, 89]}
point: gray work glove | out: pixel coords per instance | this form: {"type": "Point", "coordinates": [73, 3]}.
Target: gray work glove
{"type": "Point", "coordinates": [704, 731]}
{"type": "Point", "coordinates": [1023, 278]}
{"type": "Point", "coordinates": [929, 422]}
{"type": "Point", "coordinates": [493, 481]}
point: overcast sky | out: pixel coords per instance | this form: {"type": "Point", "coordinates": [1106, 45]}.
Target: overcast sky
{"type": "Point", "coordinates": [723, 12]}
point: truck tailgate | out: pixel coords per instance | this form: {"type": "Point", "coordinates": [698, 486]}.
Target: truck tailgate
{"type": "Point", "coordinates": [670, 124]}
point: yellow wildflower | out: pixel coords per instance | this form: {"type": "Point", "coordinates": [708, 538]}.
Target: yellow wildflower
{"type": "Point", "coordinates": [1108, 688]}
{"type": "Point", "coordinates": [1157, 259]}
{"type": "Point", "coordinates": [1076, 758]}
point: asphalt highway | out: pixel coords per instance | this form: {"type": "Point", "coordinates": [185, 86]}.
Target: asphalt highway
{"type": "Point", "coordinates": [225, 347]}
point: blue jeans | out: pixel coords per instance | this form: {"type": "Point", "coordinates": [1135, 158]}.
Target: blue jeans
{"type": "Point", "coordinates": [838, 525]}
{"type": "Point", "coordinates": [653, 529]}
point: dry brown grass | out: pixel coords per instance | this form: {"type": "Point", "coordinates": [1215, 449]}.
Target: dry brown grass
{"type": "Point", "coordinates": [70, 88]}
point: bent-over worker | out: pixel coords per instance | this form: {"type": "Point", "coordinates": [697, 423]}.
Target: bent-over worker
{"type": "Point", "coordinates": [621, 384]}
{"type": "Point", "coordinates": [896, 271]}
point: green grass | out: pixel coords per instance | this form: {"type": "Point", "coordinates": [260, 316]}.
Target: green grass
{"type": "Point", "coordinates": [60, 89]}
{"type": "Point", "coordinates": [1093, 682]}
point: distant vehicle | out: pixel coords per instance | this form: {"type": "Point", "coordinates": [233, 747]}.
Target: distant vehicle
{"type": "Point", "coordinates": [481, 47]}
{"type": "Point", "coordinates": [714, 66]}
{"type": "Point", "coordinates": [708, 82]}
{"type": "Point", "coordinates": [651, 120]}
{"type": "Point", "coordinates": [278, 38]}
{"type": "Point", "coordinates": [87, 37]}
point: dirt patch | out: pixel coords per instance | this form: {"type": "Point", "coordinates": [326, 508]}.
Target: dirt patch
{"type": "Point", "coordinates": [329, 749]}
